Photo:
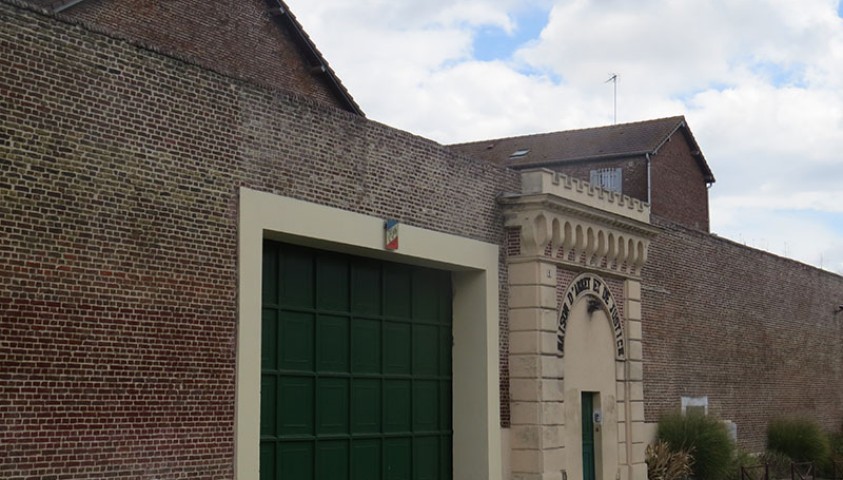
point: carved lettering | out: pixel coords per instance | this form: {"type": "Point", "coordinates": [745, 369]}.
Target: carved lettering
{"type": "Point", "coordinates": [594, 287]}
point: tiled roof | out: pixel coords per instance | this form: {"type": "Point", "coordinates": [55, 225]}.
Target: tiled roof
{"type": "Point", "coordinates": [590, 144]}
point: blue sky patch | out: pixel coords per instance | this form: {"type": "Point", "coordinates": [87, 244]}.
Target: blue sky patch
{"type": "Point", "coordinates": [781, 75]}
{"type": "Point", "coordinates": [493, 43]}
{"type": "Point", "coordinates": [687, 97]}
{"type": "Point", "coordinates": [840, 8]}
{"type": "Point", "coordinates": [831, 220]}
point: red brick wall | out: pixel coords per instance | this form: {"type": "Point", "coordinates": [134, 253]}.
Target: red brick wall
{"type": "Point", "coordinates": [754, 332]}
{"type": "Point", "coordinates": [119, 176]}
{"type": "Point", "coordinates": [234, 37]}
{"type": "Point", "coordinates": [679, 189]}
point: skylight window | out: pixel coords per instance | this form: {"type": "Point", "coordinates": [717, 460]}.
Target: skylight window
{"type": "Point", "coordinates": [520, 153]}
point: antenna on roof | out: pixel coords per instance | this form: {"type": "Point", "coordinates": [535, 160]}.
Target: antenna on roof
{"type": "Point", "coordinates": [613, 77]}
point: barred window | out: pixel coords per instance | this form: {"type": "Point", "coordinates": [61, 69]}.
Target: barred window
{"type": "Point", "coordinates": [610, 179]}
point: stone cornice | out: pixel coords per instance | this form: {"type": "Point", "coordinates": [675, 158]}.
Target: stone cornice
{"type": "Point", "coordinates": [614, 239]}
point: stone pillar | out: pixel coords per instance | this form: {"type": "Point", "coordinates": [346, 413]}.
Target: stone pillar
{"type": "Point", "coordinates": [636, 433]}
{"type": "Point", "coordinates": [536, 388]}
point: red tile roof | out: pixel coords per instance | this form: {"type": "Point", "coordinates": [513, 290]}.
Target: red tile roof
{"type": "Point", "coordinates": [589, 144]}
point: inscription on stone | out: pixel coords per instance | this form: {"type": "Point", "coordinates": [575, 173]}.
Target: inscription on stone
{"type": "Point", "coordinates": [592, 286]}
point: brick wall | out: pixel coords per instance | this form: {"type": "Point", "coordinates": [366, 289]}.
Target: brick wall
{"type": "Point", "coordinates": [119, 175]}
{"type": "Point", "coordinates": [235, 37]}
{"type": "Point", "coordinates": [679, 189]}
{"type": "Point", "coordinates": [754, 332]}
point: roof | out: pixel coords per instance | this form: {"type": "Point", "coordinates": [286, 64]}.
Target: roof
{"type": "Point", "coordinates": [590, 144]}
{"type": "Point", "coordinates": [284, 18]}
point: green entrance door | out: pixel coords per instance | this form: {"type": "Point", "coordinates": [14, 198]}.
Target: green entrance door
{"type": "Point", "coordinates": [587, 436]}
{"type": "Point", "coordinates": [355, 368]}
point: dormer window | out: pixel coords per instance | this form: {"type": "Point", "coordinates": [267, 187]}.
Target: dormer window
{"type": "Point", "coordinates": [519, 153]}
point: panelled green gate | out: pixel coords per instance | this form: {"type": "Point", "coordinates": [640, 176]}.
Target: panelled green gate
{"type": "Point", "coordinates": [355, 368]}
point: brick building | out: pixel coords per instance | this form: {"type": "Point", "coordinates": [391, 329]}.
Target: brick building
{"type": "Point", "coordinates": [655, 161]}
{"type": "Point", "coordinates": [194, 279]}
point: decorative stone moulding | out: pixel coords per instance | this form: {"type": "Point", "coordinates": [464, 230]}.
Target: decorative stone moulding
{"type": "Point", "coordinates": [574, 222]}
{"type": "Point", "coordinates": [561, 185]}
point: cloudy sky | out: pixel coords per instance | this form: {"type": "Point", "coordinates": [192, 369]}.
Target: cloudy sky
{"type": "Point", "coordinates": [759, 81]}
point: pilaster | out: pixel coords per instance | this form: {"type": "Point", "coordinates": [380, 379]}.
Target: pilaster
{"type": "Point", "coordinates": [536, 383]}
{"type": "Point", "coordinates": [636, 434]}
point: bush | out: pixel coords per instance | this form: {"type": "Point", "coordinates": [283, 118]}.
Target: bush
{"type": "Point", "coordinates": [704, 436]}
{"type": "Point", "coordinates": [742, 458]}
{"type": "Point", "coordinates": [801, 439]}
{"type": "Point", "coordinates": [834, 468]}
{"type": "Point", "coordinates": [836, 443]}
{"type": "Point", "coordinates": [664, 464]}
{"type": "Point", "coordinates": [778, 464]}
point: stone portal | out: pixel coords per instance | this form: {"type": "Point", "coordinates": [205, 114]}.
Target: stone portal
{"type": "Point", "coordinates": [575, 330]}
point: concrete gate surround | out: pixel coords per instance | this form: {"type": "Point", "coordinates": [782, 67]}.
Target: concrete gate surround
{"type": "Point", "coordinates": [571, 230]}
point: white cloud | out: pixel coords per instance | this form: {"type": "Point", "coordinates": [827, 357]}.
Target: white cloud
{"type": "Point", "coordinates": [760, 81]}
{"type": "Point", "coordinates": [793, 234]}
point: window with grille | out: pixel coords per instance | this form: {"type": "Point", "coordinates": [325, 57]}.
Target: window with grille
{"type": "Point", "coordinates": [610, 179]}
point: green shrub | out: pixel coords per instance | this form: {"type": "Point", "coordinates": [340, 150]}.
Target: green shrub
{"type": "Point", "coordinates": [664, 464]}
{"type": "Point", "coordinates": [835, 441]}
{"type": "Point", "coordinates": [706, 437]}
{"type": "Point", "coordinates": [834, 467]}
{"type": "Point", "coordinates": [742, 458]}
{"type": "Point", "coordinates": [778, 464]}
{"type": "Point", "coordinates": [801, 439]}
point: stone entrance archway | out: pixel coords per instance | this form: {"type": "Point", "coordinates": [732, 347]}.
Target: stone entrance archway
{"type": "Point", "coordinates": [575, 328]}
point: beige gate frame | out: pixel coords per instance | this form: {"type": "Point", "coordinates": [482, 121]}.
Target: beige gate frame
{"type": "Point", "coordinates": [474, 267]}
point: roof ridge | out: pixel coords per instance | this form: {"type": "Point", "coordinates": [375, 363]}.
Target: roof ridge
{"type": "Point", "coordinates": [583, 129]}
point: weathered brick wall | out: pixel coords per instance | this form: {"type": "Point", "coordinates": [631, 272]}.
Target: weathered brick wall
{"type": "Point", "coordinates": [679, 188]}
{"type": "Point", "coordinates": [236, 37]}
{"type": "Point", "coordinates": [119, 175]}
{"type": "Point", "coordinates": [754, 332]}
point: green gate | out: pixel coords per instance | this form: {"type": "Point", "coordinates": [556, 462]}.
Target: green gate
{"type": "Point", "coordinates": [355, 368]}
{"type": "Point", "coordinates": [587, 436]}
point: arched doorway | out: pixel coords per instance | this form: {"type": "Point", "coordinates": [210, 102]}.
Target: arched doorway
{"type": "Point", "coordinates": [592, 351]}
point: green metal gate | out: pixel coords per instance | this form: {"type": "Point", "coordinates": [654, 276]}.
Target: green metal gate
{"type": "Point", "coordinates": [587, 436]}
{"type": "Point", "coordinates": [355, 368]}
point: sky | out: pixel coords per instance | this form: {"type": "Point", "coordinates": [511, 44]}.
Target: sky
{"type": "Point", "coordinates": [760, 83]}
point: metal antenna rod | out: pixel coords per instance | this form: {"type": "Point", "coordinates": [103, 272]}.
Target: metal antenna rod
{"type": "Point", "coordinates": [614, 79]}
